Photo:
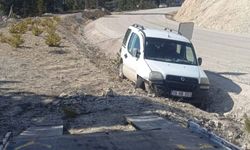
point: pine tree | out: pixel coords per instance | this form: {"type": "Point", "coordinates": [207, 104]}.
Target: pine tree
{"type": "Point", "coordinates": [40, 7]}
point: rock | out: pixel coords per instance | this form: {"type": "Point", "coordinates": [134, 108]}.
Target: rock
{"type": "Point", "coordinates": [219, 125]}
{"type": "Point", "coordinates": [108, 93]}
{"type": "Point", "coordinates": [56, 102]}
{"type": "Point", "coordinates": [230, 134]}
{"type": "Point", "coordinates": [63, 95]}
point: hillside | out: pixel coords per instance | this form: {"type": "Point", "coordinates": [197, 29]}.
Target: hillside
{"type": "Point", "coordinates": [230, 16]}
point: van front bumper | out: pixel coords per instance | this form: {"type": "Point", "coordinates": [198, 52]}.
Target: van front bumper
{"type": "Point", "coordinates": [165, 89]}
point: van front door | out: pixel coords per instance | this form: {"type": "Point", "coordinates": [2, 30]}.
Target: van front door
{"type": "Point", "coordinates": [130, 61]}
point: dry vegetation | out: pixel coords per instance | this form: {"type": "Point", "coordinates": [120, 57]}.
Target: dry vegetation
{"type": "Point", "coordinates": [36, 30]}
{"type": "Point", "coordinates": [53, 39]}
{"type": "Point", "coordinates": [37, 26]}
{"type": "Point", "coordinates": [247, 124]}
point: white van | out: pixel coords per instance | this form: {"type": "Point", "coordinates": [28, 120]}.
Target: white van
{"type": "Point", "coordinates": [162, 62]}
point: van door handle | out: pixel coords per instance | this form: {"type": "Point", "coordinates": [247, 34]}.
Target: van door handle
{"type": "Point", "coordinates": [125, 55]}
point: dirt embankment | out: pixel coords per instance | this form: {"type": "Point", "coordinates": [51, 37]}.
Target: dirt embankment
{"type": "Point", "coordinates": [231, 16]}
{"type": "Point", "coordinates": [76, 85]}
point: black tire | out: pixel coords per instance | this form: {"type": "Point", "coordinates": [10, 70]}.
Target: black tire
{"type": "Point", "coordinates": [121, 75]}
{"type": "Point", "coordinates": [152, 89]}
{"type": "Point", "coordinates": [139, 82]}
{"type": "Point", "coordinates": [204, 103]}
{"type": "Point", "coordinates": [148, 88]}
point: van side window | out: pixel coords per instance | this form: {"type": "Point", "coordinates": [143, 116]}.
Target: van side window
{"type": "Point", "coordinates": [126, 37]}
{"type": "Point", "coordinates": [134, 43]}
{"type": "Point", "coordinates": [189, 54]}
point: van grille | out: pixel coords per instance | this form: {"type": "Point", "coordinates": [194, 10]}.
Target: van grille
{"type": "Point", "coordinates": [181, 83]}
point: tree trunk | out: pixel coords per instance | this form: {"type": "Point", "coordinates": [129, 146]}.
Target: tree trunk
{"type": "Point", "coordinates": [87, 3]}
{"type": "Point", "coordinates": [11, 11]}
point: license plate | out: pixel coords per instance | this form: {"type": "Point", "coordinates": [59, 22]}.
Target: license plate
{"type": "Point", "coordinates": [181, 94]}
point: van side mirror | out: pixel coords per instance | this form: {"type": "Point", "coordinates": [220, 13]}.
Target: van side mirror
{"type": "Point", "coordinates": [200, 61]}
{"type": "Point", "coordinates": [136, 52]}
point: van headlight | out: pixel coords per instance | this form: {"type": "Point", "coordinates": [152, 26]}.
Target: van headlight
{"type": "Point", "coordinates": [155, 76]}
{"type": "Point", "coordinates": [204, 84]}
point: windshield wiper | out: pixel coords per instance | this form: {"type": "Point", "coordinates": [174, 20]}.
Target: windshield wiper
{"type": "Point", "coordinates": [160, 59]}
{"type": "Point", "coordinates": [183, 61]}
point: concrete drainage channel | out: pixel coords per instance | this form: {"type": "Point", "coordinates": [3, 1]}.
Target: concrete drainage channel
{"type": "Point", "coordinates": [153, 132]}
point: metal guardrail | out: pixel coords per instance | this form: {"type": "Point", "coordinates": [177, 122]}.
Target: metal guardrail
{"type": "Point", "coordinates": [195, 127]}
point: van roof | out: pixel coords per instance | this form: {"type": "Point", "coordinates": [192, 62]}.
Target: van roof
{"type": "Point", "coordinates": [165, 34]}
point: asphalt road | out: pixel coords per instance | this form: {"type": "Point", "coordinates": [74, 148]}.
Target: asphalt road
{"type": "Point", "coordinates": [226, 56]}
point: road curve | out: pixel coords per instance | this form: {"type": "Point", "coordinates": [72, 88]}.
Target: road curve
{"type": "Point", "coordinates": [226, 56]}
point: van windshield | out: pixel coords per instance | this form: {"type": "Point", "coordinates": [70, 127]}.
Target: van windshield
{"type": "Point", "coordinates": [170, 51]}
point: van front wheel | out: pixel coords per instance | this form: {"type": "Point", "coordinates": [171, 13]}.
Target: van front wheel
{"type": "Point", "coordinates": [121, 75]}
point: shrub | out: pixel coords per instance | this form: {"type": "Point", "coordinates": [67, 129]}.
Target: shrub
{"type": "Point", "coordinates": [18, 28]}
{"type": "Point", "coordinates": [36, 30]}
{"type": "Point", "coordinates": [51, 29]}
{"type": "Point", "coordinates": [36, 21]}
{"type": "Point", "coordinates": [57, 19]}
{"type": "Point", "coordinates": [53, 39]}
{"type": "Point", "coordinates": [48, 22]}
{"type": "Point", "coordinates": [15, 40]}
{"type": "Point", "coordinates": [3, 39]}
{"type": "Point", "coordinates": [28, 21]}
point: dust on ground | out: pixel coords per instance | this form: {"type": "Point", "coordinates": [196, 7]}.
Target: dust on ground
{"type": "Point", "coordinates": [224, 15]}
{"type": "Point", "coordinates": [77, 85]}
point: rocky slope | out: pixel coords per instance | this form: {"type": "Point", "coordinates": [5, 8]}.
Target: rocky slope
{"type": "Point", "coordinates": [230, 16]}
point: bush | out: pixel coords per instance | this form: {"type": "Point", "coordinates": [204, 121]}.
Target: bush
{"type": "Point", "coordinates": [15, 40]}
{"type": "Point", "coordinates": [36, 30]}
{"type": "Point", "coordinates": [18, 28]}
{"type": "Point", "coordinates": [28, 21]}
{"type": "Point", "coordinates": [48, 22]}
{"type": "Point", "coordinates": [36, 21]}
{"type": "Point", "coordinates": [53, 39]}
{"type": "Point", "coordinates": [3, 39]}
{"type": "Point", "coordinates": [57, 19]}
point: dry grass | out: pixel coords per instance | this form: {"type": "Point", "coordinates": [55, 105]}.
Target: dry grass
{"type": "Point", "coordinates": [3, 39]}
{"type": "Point", "coordinates": [53, 39]}
{"type": "Point", "coordinates": [57, 19]}
{"type": "Point", "coordinates": [15, 40]}
{"type": "Point", "coordinates": [37, 26]}
{"type": "Point", "coordinates": [36, 30]}
{"type": "Point", "coordinates": [247, 124]}
{"type": "Point", "coordinates": [19, 28]}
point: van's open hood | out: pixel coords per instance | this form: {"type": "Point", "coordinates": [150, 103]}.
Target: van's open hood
{"type": "Point", "coordinates": [174, 69]}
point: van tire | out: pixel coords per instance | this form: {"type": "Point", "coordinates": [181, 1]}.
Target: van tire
{"type": "Point", "coordinates": [121, 75]}
{"type": "Point", "coordinates": [148, 88]}
{"type": "Point", "coordinates": [139, 82]}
